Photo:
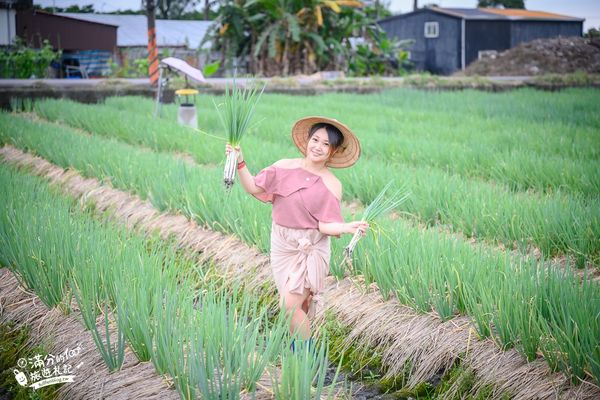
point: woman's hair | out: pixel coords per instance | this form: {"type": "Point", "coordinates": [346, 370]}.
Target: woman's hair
{"type": "Point", "coordinates": [334, 136]}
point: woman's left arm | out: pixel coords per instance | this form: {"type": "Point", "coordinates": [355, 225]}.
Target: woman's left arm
{"type": "Point", "coordinates": [339, 228]}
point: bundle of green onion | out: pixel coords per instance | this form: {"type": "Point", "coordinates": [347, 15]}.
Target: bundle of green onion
{"type": "Point", "coordinates": [237, 111]}
{"type": "Point", "coordinates": [381, 205]}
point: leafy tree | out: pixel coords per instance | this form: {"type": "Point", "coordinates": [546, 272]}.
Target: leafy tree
{"type": "Point", "coordinates": [592, 33]}
{"type": "Point", "coordinates": [281, 37]}
{"type": "Point", "coordinates": [128, 12]}
{"type": "Point", "coordinates": [171, 9]}
{"type": "Point", "coordinates": [504, 3]}
{"type": "Point", "coordinates": [89, 8]}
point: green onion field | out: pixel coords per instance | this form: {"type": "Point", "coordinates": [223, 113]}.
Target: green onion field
{"type": "Point", "coordinates": [502, 226]}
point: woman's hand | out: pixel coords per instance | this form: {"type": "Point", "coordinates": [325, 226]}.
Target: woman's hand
{"type": "Point", "coordinates": [357, 226]}
{"type": "Point", "coordinates": [229, 148]}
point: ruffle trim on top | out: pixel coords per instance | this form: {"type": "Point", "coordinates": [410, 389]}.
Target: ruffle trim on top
{"type": "Point", "coordinates": [303, 198]}
{"type": "Point", "coordinates": [281, 182]}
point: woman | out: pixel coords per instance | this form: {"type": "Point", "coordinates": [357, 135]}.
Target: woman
{"type": "Point", "coordinates": [306, 211]}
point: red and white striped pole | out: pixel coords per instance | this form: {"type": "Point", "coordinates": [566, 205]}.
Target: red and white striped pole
{"type": "Point", "coordinates": [152, 49]}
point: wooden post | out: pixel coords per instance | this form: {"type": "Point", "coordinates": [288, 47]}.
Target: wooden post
{"type": "Point", "coordinates": [152, 49]}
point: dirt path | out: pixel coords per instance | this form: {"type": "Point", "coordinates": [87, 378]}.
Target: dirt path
{"type": "Point", "coordinates": [59, 332]}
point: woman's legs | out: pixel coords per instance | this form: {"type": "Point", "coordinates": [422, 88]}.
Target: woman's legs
{"type": "Point", "coordinates": [306, 303]}
{"type": "Point", "coordinates": [294, 306]}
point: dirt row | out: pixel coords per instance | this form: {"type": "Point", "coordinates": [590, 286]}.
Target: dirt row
{"type": "Point", "coordinates": [58, 332]}
{"type": "Point", "coordinates": [398, 332]}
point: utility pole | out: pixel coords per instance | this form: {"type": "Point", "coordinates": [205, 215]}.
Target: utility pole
{"type": "Point", "coordinates": [206, 9]}
{"type": "Point", "coordinates": [152, 49]}
{"type": "Point", "coordinates": [415, 5]}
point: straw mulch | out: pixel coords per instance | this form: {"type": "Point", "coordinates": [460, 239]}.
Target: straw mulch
{"type": "Point", "coordinates": [58, 332]}
{"type": "Point", "coordinates": [397, 331]}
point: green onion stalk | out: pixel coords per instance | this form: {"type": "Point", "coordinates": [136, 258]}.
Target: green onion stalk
{"type": "Point", "coordinates": [381, 205]}
{"type": "Point", "coordinates": [235, 115]}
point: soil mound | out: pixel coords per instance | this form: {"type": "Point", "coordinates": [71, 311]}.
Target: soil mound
{"type": "Point", "coordinates": [542, 56]}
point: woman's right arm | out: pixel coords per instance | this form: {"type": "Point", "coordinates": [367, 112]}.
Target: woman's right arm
{"type": "Point", "coordinates": [244, 175]}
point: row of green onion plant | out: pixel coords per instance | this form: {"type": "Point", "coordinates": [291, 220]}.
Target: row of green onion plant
{"type": "Point", "coordinates": [522, 153]}
{"type": "Point", "coordinates": [39, 226]}
{"type": "Point", "coordinates": [144, 130]}
{"type": "Point", "coordinates": [235, 114]}
{"type": "Point", "coordinates": [432, 142]}
{"type": "Point", "coordinates": [530, 121]}
{"type": "Point", "coordinates": [536, 308]}
{"type": "Point", "coordinates": [556, 224]}
{"type": "Point", "coordinates": [381, 205]}
{"type": "Point", "coordinates": [159, 177]}
{"type": "Point", "coordinates": [215, 342]}
{"type": "Point", "coordinates": [303, 371]}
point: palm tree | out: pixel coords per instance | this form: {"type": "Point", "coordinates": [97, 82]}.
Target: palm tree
{"type": "Point", "coordinates": [235, 30]}
{"type": "Point", "coordinates": [321, 31]}
{"type": "Point", "coordinates": [280, 33]}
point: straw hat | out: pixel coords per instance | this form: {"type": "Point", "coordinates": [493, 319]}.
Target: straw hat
{"type": "Point", "coordinates": [345, 156]}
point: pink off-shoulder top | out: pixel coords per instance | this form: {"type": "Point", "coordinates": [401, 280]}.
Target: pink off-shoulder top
{"type": "Point", "coordinates": [300, 198]}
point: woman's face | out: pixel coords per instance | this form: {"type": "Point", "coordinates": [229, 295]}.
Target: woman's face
{"type": "Point", "coordinates": [318, 148]}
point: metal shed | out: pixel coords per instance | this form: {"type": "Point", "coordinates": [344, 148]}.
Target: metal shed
{"type": "Point", "coordinates": [86, 45]}
{"type": "Point", "coordinates": [178, 38]}
{"type": "Point", "coordinates": [133, 30]}
{"type": "Point", "coordinates": [64, 32]}
{"type": "Point", "coordinates": [448, 39]}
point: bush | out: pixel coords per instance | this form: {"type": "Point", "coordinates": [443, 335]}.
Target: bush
{"type": "Point", "coordinates": [22, 62]}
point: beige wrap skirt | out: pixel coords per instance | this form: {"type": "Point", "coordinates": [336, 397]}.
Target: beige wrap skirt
{"type": "Point", "coordinates": [300, 259]}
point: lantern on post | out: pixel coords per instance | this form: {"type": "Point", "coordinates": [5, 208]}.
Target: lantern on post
{"type": "Point", "coordinates": [187, 114]}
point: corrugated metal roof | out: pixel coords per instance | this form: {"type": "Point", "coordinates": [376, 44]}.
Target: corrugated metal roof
{"type": "Point", "coordinates": [132, 30]}
{"type": "Point", "coordinates": [513, 13]}
{"type": "Point", "coordinates": [467, 13]}
{"type": "Point", "coordinates": [66, 15]}
{"type": "Point", "coordinates": [500, 14]}
{"type": "Point", "coordinates": [508, 14]}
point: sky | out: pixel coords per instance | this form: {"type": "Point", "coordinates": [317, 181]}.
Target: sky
{"type": "Point", "coordinates": [588, 9]}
